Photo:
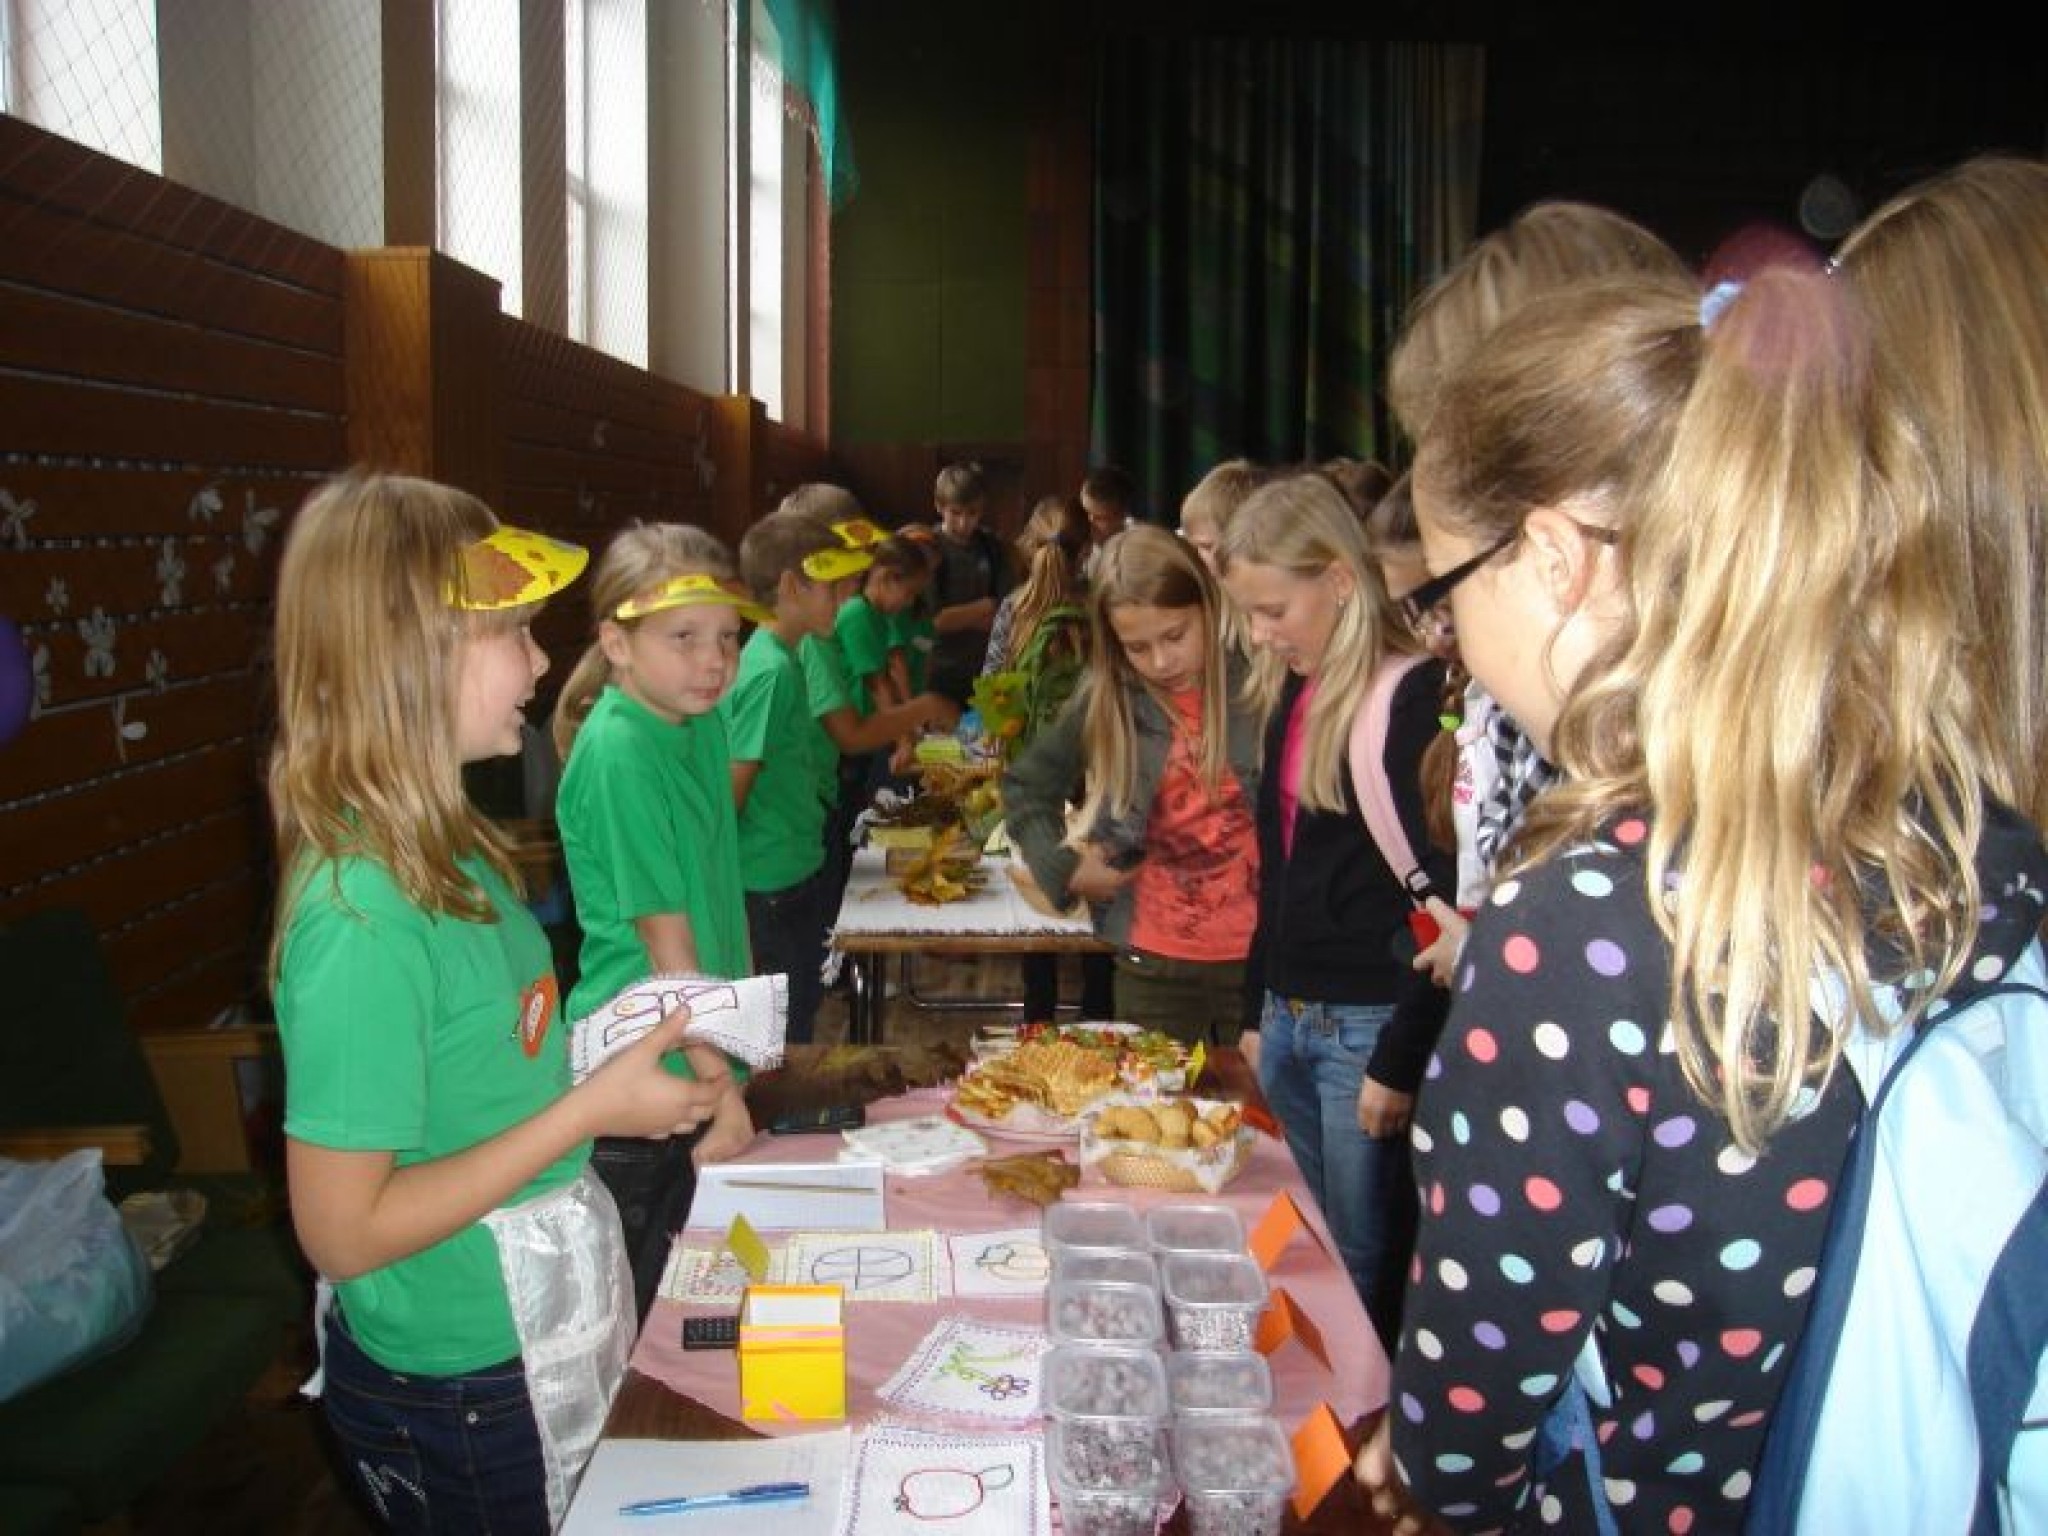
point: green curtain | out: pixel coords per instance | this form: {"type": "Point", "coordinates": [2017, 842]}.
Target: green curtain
{"type": "Point", "coordinates": [1260, 221]}
{"type": "Point", "coordinates": [805, 53]}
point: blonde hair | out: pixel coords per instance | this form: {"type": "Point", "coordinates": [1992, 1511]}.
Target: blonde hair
{"type": "Point", "coordinates": [1546, 247]}
{"type": "Point", "coordinates": [1145, 566]}
{"type": "Point", "coordinates": [365, 763]}
{"type": "Point", "coordinates": [1302, 524]}
{"type": "Point", "coordinates": [1779, 692]}
{"type": "Point", "coordinates": [1052, 544]}
{"type": "Point", "coordinates": [1218, 494]}
{"type": "Point", "coordinates": [639, 558]}
{"type": "Point", "coordinates": [1954, 272]}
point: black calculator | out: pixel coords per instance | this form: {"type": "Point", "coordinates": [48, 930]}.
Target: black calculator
{"type": "Point", "coordinates": [720, 1331]}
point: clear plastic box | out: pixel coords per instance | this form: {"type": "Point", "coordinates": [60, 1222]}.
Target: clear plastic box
{"type": "Point", "coordinates": [1107, 1264]}
{"type": "Point", "coordinates": [1108, 1486]}
{"type": "Point", "coordinates": [1103, 1312]}
{"type": "Point", "coordinates": [1194, 1229]}
{"type": "Point", "coordinates": [1092, 1226]}
{"type": "Point", "coordinates": [1213, 1300]}
{"type": "Point", "coordinates": [1235, 1474]}
{"type": "Point", "coordinates": [1100, 1381]}
{"type": "Point", "coordinates": [1201, 1382]}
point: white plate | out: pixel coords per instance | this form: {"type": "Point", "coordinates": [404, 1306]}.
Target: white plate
{"type": "Point", "coordinates": [1024, 1122]}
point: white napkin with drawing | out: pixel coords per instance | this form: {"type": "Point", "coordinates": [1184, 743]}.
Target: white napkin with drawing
{"type": "Point", "coordinates": [747, 1018]}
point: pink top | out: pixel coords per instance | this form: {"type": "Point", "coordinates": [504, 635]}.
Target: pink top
{"type": "Point", "coordinates": [1290, 764]}
{"type": "Point", "coordinates": [881, 1334]}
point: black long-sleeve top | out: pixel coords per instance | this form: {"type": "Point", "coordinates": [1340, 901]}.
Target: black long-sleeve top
{"type": "Point", "coordinates": [1333, 917]}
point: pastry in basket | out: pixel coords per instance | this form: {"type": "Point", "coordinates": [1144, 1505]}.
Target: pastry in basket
{"type": "Point", "coordinates": [1173, 1123]}
{"type": "Point", "coordinates": [1178, 1144]}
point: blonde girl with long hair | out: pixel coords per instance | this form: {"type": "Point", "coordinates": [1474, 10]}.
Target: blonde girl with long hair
{"type": "Point", "coordinates": [1637, 1121]}
{"type": "Point", "coordinates": [436, 1153]}
{"type": "Point", "coordinates": [1343, 1020]}
{"type": "Point", "coordinates": [1954, 272]}
{"type": "Point", "coordinates": [1054, 539]}
{"type": "Point", "coordinates": [650, 833]}
{"type": "Point", "coordinates": [1051, 547]}
{"type": "Point", "coordinates": [1167, 746]}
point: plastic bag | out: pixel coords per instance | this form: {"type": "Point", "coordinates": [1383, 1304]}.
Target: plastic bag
{"type": "Point", "coordinates": [73, 1283]}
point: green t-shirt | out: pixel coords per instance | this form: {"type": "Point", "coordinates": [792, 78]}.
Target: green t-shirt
{"type": "Point", "coordinates": [768, 721]}
{"type": "Point", "coordinates": [829, 690]}
{"type": "Point", "coordinates": [647, 824]}
{"type": "Point", "coordinates": [864, 643]}
{"type": "Point", "coordinates": [422, 1035]}
{"type": "Point", "coordinates": [913, 633]}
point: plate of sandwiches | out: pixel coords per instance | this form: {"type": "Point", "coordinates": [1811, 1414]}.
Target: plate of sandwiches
{"type": "Point", "coordinates": [1039, 1084]}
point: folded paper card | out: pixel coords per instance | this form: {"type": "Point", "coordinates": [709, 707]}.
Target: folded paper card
{"type": "Point", "coordinates": [747, 1019]}
{"type": "Point", "coordinates": [792, 1352]}
{"type": "Point", "coordinates": [1321, 1457]}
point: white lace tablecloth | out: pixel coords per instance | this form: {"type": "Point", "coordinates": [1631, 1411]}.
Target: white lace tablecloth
{"type": "Point", "coordinates": [873, 904]}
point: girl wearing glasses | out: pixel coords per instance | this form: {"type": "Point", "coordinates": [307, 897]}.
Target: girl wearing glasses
{"type": "Point", "coordinates": [1629, 1145]}
{"type": "Point", "coordinates": [1344, 1022]}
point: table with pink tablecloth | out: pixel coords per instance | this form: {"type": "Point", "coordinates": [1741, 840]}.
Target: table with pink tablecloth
{"type": "Point", "coordinates": [882, 1334]}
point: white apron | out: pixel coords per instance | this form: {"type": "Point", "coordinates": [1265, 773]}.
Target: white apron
{"type": "Point", "coordinates": [570, 1291]}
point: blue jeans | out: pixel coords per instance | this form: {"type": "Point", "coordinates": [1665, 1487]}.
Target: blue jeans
{"type": "Point", "coordinates": [1311, 1065]}
{"type": "Point", "coordinates": [787, 929]}
{"type": "Point", "coordinates": [437, 1453]}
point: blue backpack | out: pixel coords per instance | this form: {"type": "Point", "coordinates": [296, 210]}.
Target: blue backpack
{"type": "Point", "coordinates": [1916, 1401]}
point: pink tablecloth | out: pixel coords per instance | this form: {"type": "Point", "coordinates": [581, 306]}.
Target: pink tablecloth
{"type": "Point", "coordinates": [881, 1335]}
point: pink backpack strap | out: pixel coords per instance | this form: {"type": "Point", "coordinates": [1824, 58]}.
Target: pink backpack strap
{"type": "Point", "coordinates": [1369, 776]}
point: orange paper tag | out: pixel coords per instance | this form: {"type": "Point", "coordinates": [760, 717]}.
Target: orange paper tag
{"type": "Point", "coordinates": [1320, 1458]}
{"type": "Point", "coordinates": [1285, 1320]}
{"type": "Point", "coordinates": [1275, 1230]}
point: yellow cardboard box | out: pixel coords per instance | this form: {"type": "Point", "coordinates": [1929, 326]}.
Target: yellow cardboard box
{"type": "Point", "coordinates": [793, 1352]}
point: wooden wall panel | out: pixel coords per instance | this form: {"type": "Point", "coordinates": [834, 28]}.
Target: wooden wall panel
{"type": "Point", "coordinates": [171, 385]}
{"type": "Point", "coordinates": [43, 333]}
{"type": "Point", "coordinates": [175, 377]}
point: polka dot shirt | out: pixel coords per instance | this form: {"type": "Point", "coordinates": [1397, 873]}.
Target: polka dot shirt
{"type": "Point", "coordinates": [1573, 1184]}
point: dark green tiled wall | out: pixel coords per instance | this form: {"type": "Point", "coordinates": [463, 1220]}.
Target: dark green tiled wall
{"type": "Point", "coordinates": [929, 259]}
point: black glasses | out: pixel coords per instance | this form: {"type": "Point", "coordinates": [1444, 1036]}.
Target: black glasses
{"type": "Point", "coordinates": [1421, 608]}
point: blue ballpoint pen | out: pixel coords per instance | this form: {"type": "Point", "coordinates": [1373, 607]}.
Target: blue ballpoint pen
{"type": "Point", "coordinates": [758, 1493]}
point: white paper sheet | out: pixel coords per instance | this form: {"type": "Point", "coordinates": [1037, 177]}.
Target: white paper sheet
{"type": "Point", "coordinates": [623, 1471]}
{"type": "Point", "coordinates": [784, 1197]}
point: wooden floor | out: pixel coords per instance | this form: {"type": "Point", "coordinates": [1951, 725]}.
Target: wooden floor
{"type": "Point", "coordinates": [266, 1469]}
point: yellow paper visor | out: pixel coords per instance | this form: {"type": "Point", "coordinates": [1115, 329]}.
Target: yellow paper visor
{"type": "Point", "coordinates": [836, 564]}
{"type": "Point", "coordinates": [859, 532]}
{"type": "Point", "coordinates": [509, 567]}
{"type": "Point", "coordinates": [693, 591]}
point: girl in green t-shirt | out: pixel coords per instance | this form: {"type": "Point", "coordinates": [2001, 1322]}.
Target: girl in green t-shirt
{"type": "Point", "coordinates": [650, 835]}
{"type": "Point", "coordinates": [436, 1152]}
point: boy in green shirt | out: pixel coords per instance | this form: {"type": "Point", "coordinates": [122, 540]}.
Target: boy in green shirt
{"type": "Point", "coordinates": [800, 571]}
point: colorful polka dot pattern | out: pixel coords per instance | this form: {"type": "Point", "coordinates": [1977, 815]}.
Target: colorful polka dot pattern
{"type": "Point", "coordinates": [1572, 1182]}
